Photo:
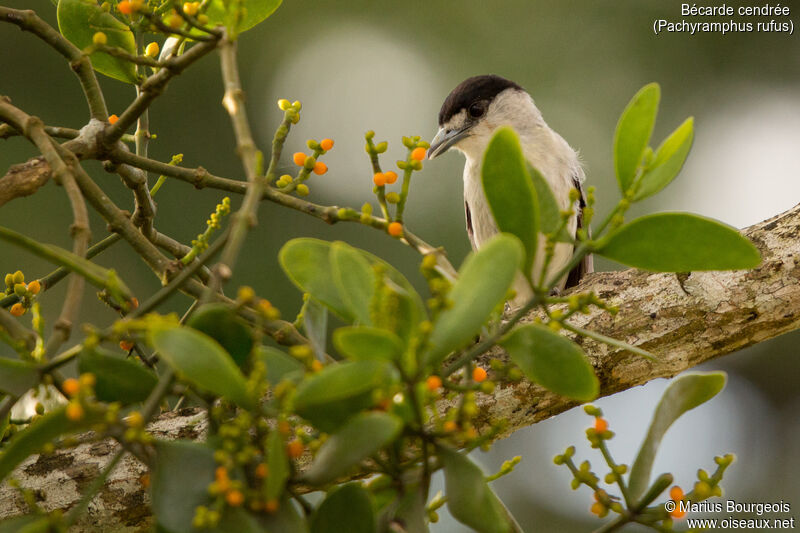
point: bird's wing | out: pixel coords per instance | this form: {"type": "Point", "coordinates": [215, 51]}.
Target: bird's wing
{"type": "Point", "coordinates": [587, 263]}
{"type": "Point", "coordinates": [470, 230]}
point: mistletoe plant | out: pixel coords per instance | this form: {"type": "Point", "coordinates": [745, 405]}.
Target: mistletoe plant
{"type": "Point", "coordinates": [369, 416]}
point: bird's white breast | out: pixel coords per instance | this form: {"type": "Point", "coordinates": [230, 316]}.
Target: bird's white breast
{"type": "Point", "coordinates": [546, 151]}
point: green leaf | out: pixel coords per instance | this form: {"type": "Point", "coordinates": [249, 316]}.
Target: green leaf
{"type": "Point", "coordinates": [179, 482]}
{"type": "Point", "coordinates": [633, 133]}
{"type": "Point", "coordinates": [315, 324]}
{"type": "Point", "coordinates": [17, 377]}
{"type": "Point", "coordinates": [684, 393]}
{"type": "Point", "coordinates": [345, 508]}
{"type": "Point", "coordinates": [510, 192]}
{"type": "Point", "coordinates": [680, 242]}
{"type": "Point", "coordinates": [353, 275]}
{"type": "Point", "coordinates": [549, 210]}
{"type": "Point", "coordinates": [362, 436]}
{"type": "Point", "coordinates": [469, 498]}
{"type": "Point", "coordinates": [79, 20]}
{"type": "Point", "coordinates": [42, 431]}
{"type": "Point", "coordinates": [255, 11]}
{"type": "Point", "coordinates": [200, 360]}
{"type": "Point", "coordinates": [668, 161]}
{"type": "Point", "coordinates": [482, 285]}
{"type": "Point", "coordinates": [338, 391]}
{"type": "Point", "coordinates": [280, 365]}
{"type": "Point", "coordinates": [553, 361]}
{"type": "Point", "coordinates": [307, 263]}
{"type": "Point", "coordinates": [362, 342]}
{"type": "Point", "coordinates": [277, 465]}
{"type": "Point", "coordinates": [221, 323]}
{"type": "Point", "coordinates": [117, 379]}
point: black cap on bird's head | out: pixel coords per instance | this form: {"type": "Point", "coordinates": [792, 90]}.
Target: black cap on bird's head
{"type": "Point", "coordinates": [473, 96]}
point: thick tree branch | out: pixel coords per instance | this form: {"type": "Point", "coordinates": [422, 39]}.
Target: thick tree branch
{"type": "Point", "coordinates": [683, 319]}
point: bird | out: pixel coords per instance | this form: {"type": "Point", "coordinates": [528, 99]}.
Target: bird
{"type": "Point", "coordinates": [468, 118]}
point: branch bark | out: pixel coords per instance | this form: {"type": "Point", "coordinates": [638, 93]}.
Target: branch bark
{"type": "Point", "coordinates": [683, 319]}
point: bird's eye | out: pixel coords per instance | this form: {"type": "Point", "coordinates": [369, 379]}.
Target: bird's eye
{"type": "Point", "coordinates": [477, 109]}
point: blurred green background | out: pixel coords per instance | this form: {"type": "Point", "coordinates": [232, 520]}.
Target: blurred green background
{"type": "Point", "coordinates": [387, 66]}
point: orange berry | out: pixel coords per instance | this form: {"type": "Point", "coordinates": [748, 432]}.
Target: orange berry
{"type": "Point", "coordinates": [677, 512]}
{"type": "Point", "coordinates": [600, 424]}
{"type": "Point", "coordinates": [34, 287]}
{"type": "Point", "coordinates": [299, 158]}
{"type": "Point", "coordinates": [17, 309]}
{"type": "Point", "coordinates": [113, 118]}
{"type": "Point", "coordinates": [478, 374]}
{"type": "Point", "coordinates": [391, 177]}
{"type": "Point", "coordinates": [316, 365]}
{"type": "Point", "coordinates": [295, 448]}
{"type": "Point", "coordinates": [71, 386]}
{"type": "Point", "coordinates": [126, 346]}
{"type": "Point", "coordinates": [144, 480]}
{"type": "Point", "coordinates": [74, 411]}
{"type": "Point", "coordinates": [395, 229]}
{"type": "Point", "coordinates": [320, 168]}
{"type": "Point", "coordinates": [326, 144]}
{"type": "Point", "coordinates": [125, 7]}
{"type": "Point", "coordinates": [221, 473]}
{"type": "Point", "coordinates": [418, 153]}
{"type": "Point", "coordinates": [379, 179]}
{"type": "Point", "coordinates": [134, 302]}
{"type": "Point", "coordinates": [284, 427]}
{"type": "Point", "coordinates": [433, 383]}
{"type": "Point", "coordinates": [235, 498]}
{"type": "Point", "coordinates": [271, 506]}
{"type": "Point", "coordinates": [597, 508]}
{"type": "Point", "coordinates": [450, 426]}
{"type": "Point", "coordinates": [261, 471]}
{"type": "Point", "coordinates": [676, 493]}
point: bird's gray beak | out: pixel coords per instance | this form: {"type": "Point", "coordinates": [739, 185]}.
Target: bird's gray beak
{"type": "Point", "coordinates": [444, 139]}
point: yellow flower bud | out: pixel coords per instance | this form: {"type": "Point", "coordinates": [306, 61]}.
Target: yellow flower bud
{"type": "Point", "coordinates": [99, 38]}
{"type": "Point", "coordinates": [151, 50]}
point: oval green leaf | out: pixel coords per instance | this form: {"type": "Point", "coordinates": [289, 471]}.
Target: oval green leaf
{"type": "Point", "coordinates": [668, 161]}
{"type": "Point", "coordinates": [354, 278]}
{"type": "Point", "coordinates": [307, 263]}
{"type": "Point", "coordinates": [117, 379]}
{"type": "Point", "coordinates": [200, 360]}
{"type": "Point", "coordinates": [469, 498]}
{"type": "Point", "coordinates": [680, 242]}
{"type": "Point", "coordinates": [315, 325]}
{"type": "Point", "coordinates": [79, 20]}
{"type": "Point", "coordinates": [361, 437]}
{"type": "Point", "coordinates": [482, 285]}
{"type": "Point", "coordinates": [634, 129]}
{"type": "Point", "coordinates": [179, 483]}
{"type": "Point", "coordinates": [345, 508]}
{"type": "Point", "coordinates": [339, 391]}
{"type": "Point", "coordinates": [221, 323]}
{"type": "Point", "coordinates": [361, 342]}
{"type": "Point", "coordinates": [510, 191]}
{"type": "Point", "coordinates": [17, 377]}
{"type": "Point", "coordinates": [553, 361]}
{"type": "Point", "coordinates": [280, 365]}
{"type": "Point", "coordinates": [255, 11]}
{"type": "Point", "coordinates": [277, 465]}
{"type": "Point", "coordinates": [684, 393]}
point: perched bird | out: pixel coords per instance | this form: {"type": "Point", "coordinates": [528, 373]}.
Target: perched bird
{"type": "Point", "coordinates": [469, 117]}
